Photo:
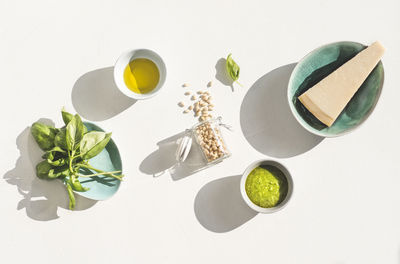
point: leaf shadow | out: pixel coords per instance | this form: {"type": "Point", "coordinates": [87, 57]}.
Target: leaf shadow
{"type": "Point", "coordinates": [221, 75]}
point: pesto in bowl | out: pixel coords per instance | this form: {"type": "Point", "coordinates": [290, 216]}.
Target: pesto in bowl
{"type": "Point", "coordinates": [266, 186]}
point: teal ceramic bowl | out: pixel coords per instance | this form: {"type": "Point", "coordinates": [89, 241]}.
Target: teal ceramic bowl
{"type": "Point", "coordinates": [102, 187]}
{"type": "Point", "coordinates": [317, 65]}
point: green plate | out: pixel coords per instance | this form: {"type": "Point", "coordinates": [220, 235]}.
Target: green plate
{"type": "Point", "coordinates": [317, 65]}
{"type": "Point", "coordinates": [102, 187]}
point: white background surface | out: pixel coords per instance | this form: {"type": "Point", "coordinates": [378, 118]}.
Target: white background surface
{"type": "Point", "coordinates": [345, 208]}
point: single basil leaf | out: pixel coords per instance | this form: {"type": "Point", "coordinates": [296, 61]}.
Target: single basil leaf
{"type": "Point", "coordinates": [56, 157]}
{"type": "Point", "coordinates": [93, 143]}
{"type": "Point", "coordinates": [74, 132]}
{"type": "Point", "coordinates": [42, 170]}
{"type": "Point", "coordinates": [71, 196]}
{"type": "Point", "coordinates": [76, 184]}
{"type": "Point", "coordinates": [44, 135]}
{"type": "Point", "coordinates": [67, 117]}
{"type": "Point", "coordinates": [59, 172]}
{"type": "Point", "coordinates": [57, 162]}
{"type": "Point", "coordinates": [60, 139]}
{"type": "Point", "coordinates": [58, 149]}
{"type": "Point", "coordinates": [232, 68]}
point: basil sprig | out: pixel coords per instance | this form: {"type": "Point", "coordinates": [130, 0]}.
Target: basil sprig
{"type": "Point", "coordinates": [68, 150]}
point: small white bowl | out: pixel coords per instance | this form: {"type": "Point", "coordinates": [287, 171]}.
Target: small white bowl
{"type": "Point", "coordinates": [288, 178]}
{"type": "Point", "coordinates": [124, 60]}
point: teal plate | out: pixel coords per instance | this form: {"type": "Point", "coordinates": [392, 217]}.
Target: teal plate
{"type": "Point", "coordinates": [102, 187]}
{"type": "Point", "coordinates": [317, 65]}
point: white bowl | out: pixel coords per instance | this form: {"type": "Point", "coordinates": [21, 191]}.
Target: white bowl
{"type": "Point", "coordinates": [287, 176]}
{"type": "Point", "coordinates": [124, 60]}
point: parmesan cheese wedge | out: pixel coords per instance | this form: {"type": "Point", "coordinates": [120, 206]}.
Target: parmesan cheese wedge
{"type": "Point", "coordinates": [327, 99]}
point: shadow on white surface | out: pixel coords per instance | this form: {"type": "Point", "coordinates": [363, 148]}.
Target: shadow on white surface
{"type": "Point", "coordinates": [221, 75]}
{"type": "Point", "coordinates": [267, 121]}
{"type": "Point", "coordinates": [40, 198]}
{"type": "Point", "coordinates": [219, 206]}
{"type": "Point", "coordinates": [163, 160]}
{"type": "Point", "coordinates": [96, 97]}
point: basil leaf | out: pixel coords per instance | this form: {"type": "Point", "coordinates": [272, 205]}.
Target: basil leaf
{"type": "Point", "coordinates": [58, 149]}
{"type": "Point", "coordinates": [93, 143]}
{"type": "Point", "coordinates": [67, 117]}
{"type": "Point", "coordinates": [56, 156]}
{"type": "Point", "coordinates": [42, 170]}
{"type": "Point", "coordinates": [232, 68]}
{"type": "Point", "coordinates": [60, 139]}
{"type": "Point", "coordinates": [59, 172]}
{"type": "Point", "coordinates": [74, 132]}
{"type": "Point", "coordinates": [44, 135]}
{"type": "Point", "coordinates": [76, 184]}
{"type": "Point", "coordinates": [57, 162]}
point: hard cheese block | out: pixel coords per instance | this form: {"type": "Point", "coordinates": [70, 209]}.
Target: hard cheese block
{"type": "Point", "coordinates": [327, 99]}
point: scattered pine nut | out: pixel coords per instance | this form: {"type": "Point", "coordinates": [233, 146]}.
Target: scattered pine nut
{"type": "Point", "coordinates": [188, 93]}
{"type": "Point", "coordinates": [190, 107]}
{"type": "Point", "coordinates": [186, 111]}
{"type": "Point", "coordinates": [193, 98]}
{"type": "Point", "coordinates": [209, 84]}
{"type": "Point", "coordinates": [181, 104]}
{"type": "Point", "coordinates": [185, 85]}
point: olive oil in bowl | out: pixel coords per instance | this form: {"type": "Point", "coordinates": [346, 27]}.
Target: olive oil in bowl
{"type": "Point", "coordinates": [141, 76]}
{"type": "Point", "coordinates": [140, 73]}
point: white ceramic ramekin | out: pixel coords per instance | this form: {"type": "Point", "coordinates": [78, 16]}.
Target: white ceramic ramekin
{"type": "Point", "coordinates": [127, 57]}
{"type": "Point", "coordinates": [287, 176]}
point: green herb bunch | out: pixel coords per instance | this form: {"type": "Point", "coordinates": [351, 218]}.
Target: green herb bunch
{"type": "Point", "coordinates": [68, 151]}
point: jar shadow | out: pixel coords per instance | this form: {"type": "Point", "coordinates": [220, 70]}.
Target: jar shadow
{"type": "Point", "coordinates": [267, 122]}
{"type": "Point", "coordinates": [163, 159]}
{"type": "Point", "coordinates": [219, 206]}
{"type": "Point", "coordinates": [40, 198]}
{"type": "Point", "coordinates": [96, 97]}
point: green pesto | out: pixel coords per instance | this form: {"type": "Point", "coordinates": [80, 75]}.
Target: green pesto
{"type": "Point", "coordinates": [263, 187]}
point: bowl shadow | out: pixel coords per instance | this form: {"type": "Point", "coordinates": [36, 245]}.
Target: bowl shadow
{"type": "Point", "coordinates": [40, 198]}
{"type": "Point", "coordinates": [96, 97]}
{"type": "Point", "coordinates": [267, 122]}
{"type": "Point", "coordinates": [219, 206]}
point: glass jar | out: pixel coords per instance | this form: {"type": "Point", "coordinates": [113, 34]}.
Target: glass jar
{"type": "Point", "coordinates": [208, 136]}
{"type": "Point", "coordinates": [196, 149]}
{"type": "Point", "coordinates": [203, 145]}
